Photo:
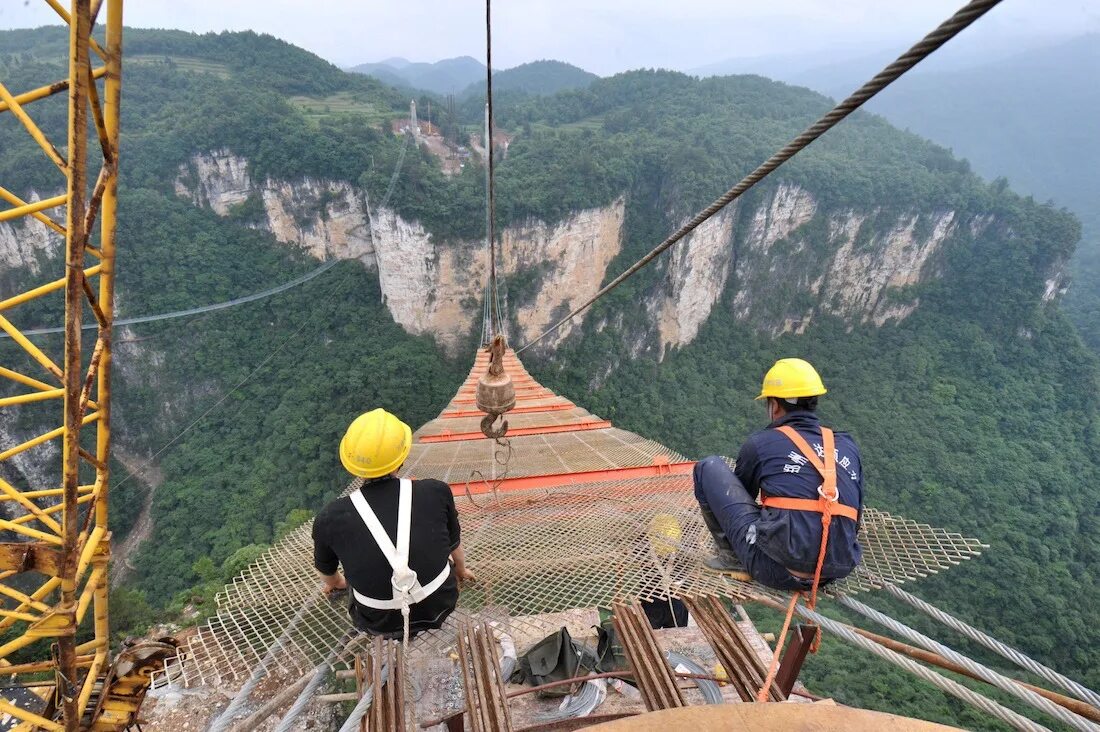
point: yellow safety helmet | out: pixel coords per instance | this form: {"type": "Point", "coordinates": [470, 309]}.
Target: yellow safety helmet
{"type": "Point", "coordinates": [791, 378]}
{"type": "Point", "coordinates": [665, 534]}
{"type": "Point", "coordinates": [375, 444]}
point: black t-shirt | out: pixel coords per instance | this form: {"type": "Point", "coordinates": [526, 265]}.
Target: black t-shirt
{"type": "Point", "coordinates": [341, 537]}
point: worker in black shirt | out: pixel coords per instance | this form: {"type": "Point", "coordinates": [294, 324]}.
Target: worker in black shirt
{"type": "Point", "coordinates": [396, 538]}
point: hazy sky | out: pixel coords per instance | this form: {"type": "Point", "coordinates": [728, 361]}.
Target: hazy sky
{"type": "Point", "coordinates": [604, 36]}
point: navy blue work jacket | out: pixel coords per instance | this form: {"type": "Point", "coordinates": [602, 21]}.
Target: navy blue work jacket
{"type": "Point", "coordinates": [771, 462]}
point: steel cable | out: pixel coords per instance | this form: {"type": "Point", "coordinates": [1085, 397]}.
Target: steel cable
{"type": "Point", "coordinates": [945, 32]}
{"type": "Point", "coordinates": [985, 673]}
{"type": "Point", "coordinates": [1080, 691]}
{"type": "Point", "coordinates": [319, 674]}
{"type": "Point", "coordinates": [223, 720]}
{"type": "Point", "coordinates": [941, 682]}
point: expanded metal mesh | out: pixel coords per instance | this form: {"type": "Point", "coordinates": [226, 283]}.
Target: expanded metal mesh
{"type": "Point", "coordinates": [536, 551]}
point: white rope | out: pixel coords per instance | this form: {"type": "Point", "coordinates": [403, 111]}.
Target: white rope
{"type": "Point", "coordinates": [985, 673]}
{"type": "Point", "coordinates": [1080, 691]}
{"type": "Point", "coordinates": [941, 682]}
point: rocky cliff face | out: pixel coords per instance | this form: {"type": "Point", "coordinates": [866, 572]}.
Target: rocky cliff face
{"type": "Point", "coordinates": [784, 257]}
{"type": "Point", "coordinates": [429, 286]}
{"type": "Point", "coordinates": [787, 261]}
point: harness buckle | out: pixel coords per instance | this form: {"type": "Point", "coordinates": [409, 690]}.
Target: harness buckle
{"type": "Point", "coordinates": [830, 498]}
{"type": "Point", "coordinates": [403, 581]}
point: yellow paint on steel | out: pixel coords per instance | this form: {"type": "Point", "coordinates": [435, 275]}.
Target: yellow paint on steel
{"type": "Point", "coordinates": [35, 132]}
{"type": "Point", "coordinates": [40, 594]}
{"type": "Point", "coordinates": [25, 599]}
{"type": "Point", "coordinates": [26, 518]}
{"type": "Point", "coordinates": [32, 508]}
{"type": "Point", "coordinates": [85, 551]}
{"type": "Point", "coordinates": [35, 352]}
{"type": "Point", "coordinates": [30, 208]}
{"type": "Point", "coordinates": [36, 441]}
{"type": "Point", "coordinates": [89, 42]}
{"type": "Point", "coordinates": [17, 201]}
{"type": "Point", "coordinates": [38, 396]}
{"type": "Point", "coordinates": [49, 90]}
{"type": "Point", "coordinates": [44, 289]}
{"type": "Point", "coordinates": [7, 707]}
{"type": "Point", "coordinates": [23, 379]}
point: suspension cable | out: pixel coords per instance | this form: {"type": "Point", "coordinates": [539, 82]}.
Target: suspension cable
{"type": "Point", "coordinates": [494, 307]}
{"type": "Point", "coordinates": [945, 32]}
{"type": "Point", "coordinates": [986, 674]}
{"type": "Point", "coordinates": [1046, 673]}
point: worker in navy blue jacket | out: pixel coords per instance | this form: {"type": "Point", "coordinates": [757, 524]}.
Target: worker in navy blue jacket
{"type": "Point", "coordinates": [787, 468]}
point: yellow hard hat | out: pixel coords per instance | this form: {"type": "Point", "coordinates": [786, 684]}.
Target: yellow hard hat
{"type": "Point", "coordinates": [791, 378]}
{"type": "Point", "coordinates": [665, 533]}
{"type": "Point", "coordinates": [375, 444]}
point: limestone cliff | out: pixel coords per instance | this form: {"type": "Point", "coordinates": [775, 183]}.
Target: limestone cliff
{"type": "Point", "coordinates": [784, 259]}
{"type": "Point", "coordinates": [430, 286]}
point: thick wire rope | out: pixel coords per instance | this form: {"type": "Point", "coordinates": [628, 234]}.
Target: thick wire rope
{"type": "Point", "coordinates": [945, 32]}
{"type": "Point", "coordinates": [941, 682]}
{"type": "Point", "coordinates": [222, 722]}
{"type": "Point", "coordinates": [1048, 674]}
{"type": "Point", "coordinates": [490, 174]}
{"type": "Point", "coordinates": [351, 724]}
{"type": "Point", "coordinates": [319, 675]}
{"type": "Point", "coordinates": [985, 673]}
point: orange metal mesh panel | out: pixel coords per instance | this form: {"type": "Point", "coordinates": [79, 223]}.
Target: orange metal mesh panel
{"type": "Point", "coordinates": [566, 452]}
{"type": "Point", "coordinates": [534, 419]}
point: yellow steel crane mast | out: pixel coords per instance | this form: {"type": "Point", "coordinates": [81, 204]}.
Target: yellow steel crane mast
{"type": "Point", "coordinates": [56, 541]}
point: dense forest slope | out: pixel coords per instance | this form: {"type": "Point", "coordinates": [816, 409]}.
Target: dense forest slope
{"type": "Point", "coordinates": [928, 298]}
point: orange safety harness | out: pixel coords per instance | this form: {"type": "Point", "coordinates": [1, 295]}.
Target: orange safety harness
{"type": "Point", "coordinates": [828, 505]}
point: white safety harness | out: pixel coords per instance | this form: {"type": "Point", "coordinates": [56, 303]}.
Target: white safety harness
{"type": "Point", "coordinates": [407, 590]}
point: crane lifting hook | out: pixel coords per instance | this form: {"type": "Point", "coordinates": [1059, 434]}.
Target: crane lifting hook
{"type": "Point", "coordinates": [496, 395]}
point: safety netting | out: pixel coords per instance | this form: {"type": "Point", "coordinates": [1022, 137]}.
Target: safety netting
{"type": "Point", "coordinates": [569, 512]}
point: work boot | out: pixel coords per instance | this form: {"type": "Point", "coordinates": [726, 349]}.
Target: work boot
{"type": "Point", "coordinates": [724, 560]}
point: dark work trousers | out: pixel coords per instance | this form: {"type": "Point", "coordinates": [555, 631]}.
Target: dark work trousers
{"type": "Point", "coordinates": [717, 488]}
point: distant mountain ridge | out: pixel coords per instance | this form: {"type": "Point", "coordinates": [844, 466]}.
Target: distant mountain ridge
{"type": "Point", "coordinates": [465, 76]}
{"type": "Point", "coordinates": [449, 76]}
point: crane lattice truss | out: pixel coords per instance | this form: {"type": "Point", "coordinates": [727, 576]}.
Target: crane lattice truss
{"type": "Point", "coordinates": [53, 559]}
{"type": "Point", "coordinates": [567, 512]}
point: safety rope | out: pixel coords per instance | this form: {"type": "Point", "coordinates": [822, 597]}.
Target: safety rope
{"type": "Point", "coordinates": [1050, 675]}
{"type": "Point", "coordinates": [941, 682]}
{"type": "Point", "coordinates": [945, 32]}
{"type": "Point", "coordinates": [773, 668]}
{"type": "Point", "coordinates": [985, 673]}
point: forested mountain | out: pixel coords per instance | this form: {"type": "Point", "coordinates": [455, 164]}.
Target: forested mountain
{"type": "Point", "coordinates": [927, 296]}
{"type": "Point", "coordinates": [449, 76]}
{"type": "Point", "coordinates": [1014, 115]}
{"type": "Point", "coordinates": [536, 77]}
